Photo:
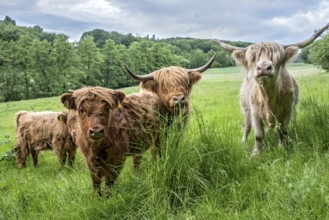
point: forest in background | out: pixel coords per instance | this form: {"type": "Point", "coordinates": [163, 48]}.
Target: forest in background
{"type": "Point", "coordinates": [35, 63]}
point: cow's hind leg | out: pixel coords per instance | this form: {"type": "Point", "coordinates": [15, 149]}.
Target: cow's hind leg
{"type": "Point", "coordinates": [71, 154]}
{"type": "Point", "coordinates": [35, 154]}
{"type": "Point", "coordinates": [62, 156]}
{"type": "Point", "coordinates": [136, 161]}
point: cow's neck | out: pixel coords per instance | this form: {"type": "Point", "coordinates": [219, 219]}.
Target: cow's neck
{"type": "Point", "coordinates": [269, 93]}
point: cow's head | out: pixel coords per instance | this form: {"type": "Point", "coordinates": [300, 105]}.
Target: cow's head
{"type": "Point", "coordinates": [172, 84]}
{"type": "Point", "coordinates": [266, 60]}
{"type": "Point", "coordinates": [70, 119]}
{"type": "Point", "coordinates": [94, 107]}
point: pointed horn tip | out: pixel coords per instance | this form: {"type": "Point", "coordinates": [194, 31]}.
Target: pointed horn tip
{"type": "Point", "coordinates": [204, 67]}
{"type": "Point", "coordinates": [213, 57]}
{"type": "Point", "coordinates": [126, 67]}
{"type": "Point", "coordinates": [217, 40]}
{"type": "Point", "coordinates": [139, 77]}
{"type": "Point", "coordinates": [309, 40]}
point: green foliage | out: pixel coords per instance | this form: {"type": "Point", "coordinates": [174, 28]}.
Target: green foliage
{"type": "Point", "coordinates": [319, 52]}
{"type": "Point", "coordinates": [114, 56]}
{"type": "Point", "coordinates": [204, 171]}
{"type": "Point", "coordinates": [9, 20]}
{"type": "Point", "coordinates": [303, 55]}
{"type": "Point", "coordinates": [101, 36]}
{"type": "Point", "coordinates": [90, 61]}
{"type": "Point", "coordinates": [35, 63]}
{"type": "Point", "coordinates": [65, 62]}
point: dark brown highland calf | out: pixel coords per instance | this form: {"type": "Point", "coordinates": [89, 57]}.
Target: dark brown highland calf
{"type": "Point", "coordinates": [110, 127]}
{"type": "Point", "coordinates": [269, 92]}
{"type": "Point", "coordinates": [36, 131]}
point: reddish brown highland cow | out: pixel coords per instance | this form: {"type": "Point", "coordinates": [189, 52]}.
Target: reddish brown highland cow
{"type": "Point", "coordinates": [269, 92]}
{"type": "Point", "coordinates": [110, 127]}
{"type": "Point", "coordinates": [36, 131]}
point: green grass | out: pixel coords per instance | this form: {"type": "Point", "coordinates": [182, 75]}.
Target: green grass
{"type": "Point", "coordinates": [204, 173]}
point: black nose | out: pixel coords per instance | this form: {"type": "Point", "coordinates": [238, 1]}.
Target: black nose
{"type": "Point", "coordinates": [96, 132]}
{"type": "Point", "coordinates": [264, 68]}
{"type": "Point", "coordinates": [179, 99]}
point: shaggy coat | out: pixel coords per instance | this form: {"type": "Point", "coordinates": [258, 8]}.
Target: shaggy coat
{"type": "Point", "coordinates": [269, 92]}
{"type": "Point", "coordinates": [173, 86]}
{"type": "Point", "coordinates": [110, 127]}
{"type": "Point", "coordinates": [36, 131]}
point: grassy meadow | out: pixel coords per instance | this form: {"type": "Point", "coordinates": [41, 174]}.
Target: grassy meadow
{"type": "Point", "coordinates": [204, 173]}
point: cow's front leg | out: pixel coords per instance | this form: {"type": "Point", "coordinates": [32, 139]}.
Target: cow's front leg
{"type": "Point", "coordinates": [96, 179]}
{"type": "Point", "coordinates": [283, 132]}
{"type": "Point", "coordinates": [246, 126]}
{"type": "Point", "coordinates": [96, 176]}
{"type": "Point", "coordinates": [156, 149]}
{"type": "Point", "coordinates": [112, 173]}
{"type": "Point", "coordinates": [259, 135]}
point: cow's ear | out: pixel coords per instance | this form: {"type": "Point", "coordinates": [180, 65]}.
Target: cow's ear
{"type": "Point", "coordinates": [194, 77]}
{"type": "Point", "coordinates": [240, 57]}
{"type": "Point", "coordinates": [68, 100]}
{"type": "Point", "coordinates": [149, 85]}
{"type": "Point", "coordinates": [290, 53]}
{"type": "Point", "coordinates": [119, 95]}
{"type": "Point", "coordinates": [62, 117]}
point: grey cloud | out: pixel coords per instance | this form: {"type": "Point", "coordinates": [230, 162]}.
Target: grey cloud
{"type": "Point", "coordinates": [245, 20]}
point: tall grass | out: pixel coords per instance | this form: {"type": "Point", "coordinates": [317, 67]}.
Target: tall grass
{"type": "Point", "coordinates": [204, 172]}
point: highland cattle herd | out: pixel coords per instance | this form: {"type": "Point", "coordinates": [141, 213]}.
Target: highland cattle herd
{"type": "Point", "coordinates": [108, 125]}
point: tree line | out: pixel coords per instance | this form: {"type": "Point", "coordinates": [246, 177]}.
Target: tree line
{"type": "Point", "coordinates": [317, 53]}
{"type": "Point", "coordinates": [35, 63]}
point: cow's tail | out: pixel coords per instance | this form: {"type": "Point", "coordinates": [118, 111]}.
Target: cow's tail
{"type": "Point", "coordinates": [17, 116]}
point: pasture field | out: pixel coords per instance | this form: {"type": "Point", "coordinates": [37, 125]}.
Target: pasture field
{"type": "Point", "coordinates": [204, 173]}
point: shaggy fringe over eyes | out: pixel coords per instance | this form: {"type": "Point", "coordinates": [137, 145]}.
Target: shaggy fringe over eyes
{"type": "Point", "coordinates": [274, 51]}
{"type": "Point", "coordinates": [172, 79]}
{"type": "Point", "coordinates": [95, 93]}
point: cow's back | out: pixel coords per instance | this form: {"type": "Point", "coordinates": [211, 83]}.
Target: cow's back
{"type": "Point", "coordinates": [40, 128]}
{"type": "Point", "coordinates": [141, 119]}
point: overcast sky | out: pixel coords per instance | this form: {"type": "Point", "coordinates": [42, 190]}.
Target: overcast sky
{"type": "Point", "coordinates": [284, 21]}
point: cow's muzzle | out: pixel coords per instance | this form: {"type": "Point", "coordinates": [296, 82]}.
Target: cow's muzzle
{"type": "Point", "coordinates": [96, 133]}
{"type": "Point", "coordinates": [264, 70]}
{"type": "Point", "coordinates": [178, 102]}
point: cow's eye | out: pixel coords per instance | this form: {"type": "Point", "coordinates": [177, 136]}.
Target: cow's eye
{"type": "Point", "coordinates": [107, 108]}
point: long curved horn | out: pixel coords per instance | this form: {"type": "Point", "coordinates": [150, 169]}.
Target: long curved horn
{"type": "Point", "coordinates": [310, 39]}
{"type": "Point", "coordinates": [227, 47]}
{"type": "Point", "coordinates": [204, 67]}
{"type": "Point", "coordinates": [139, 78]}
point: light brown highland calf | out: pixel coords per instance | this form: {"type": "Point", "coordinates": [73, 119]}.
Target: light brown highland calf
{"type": "Point", "coordinates": [269, 92]}
{"type": "Point", "coordinates": [110, 127]}
{"type": "Point", "coordinates": [36, 131]}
